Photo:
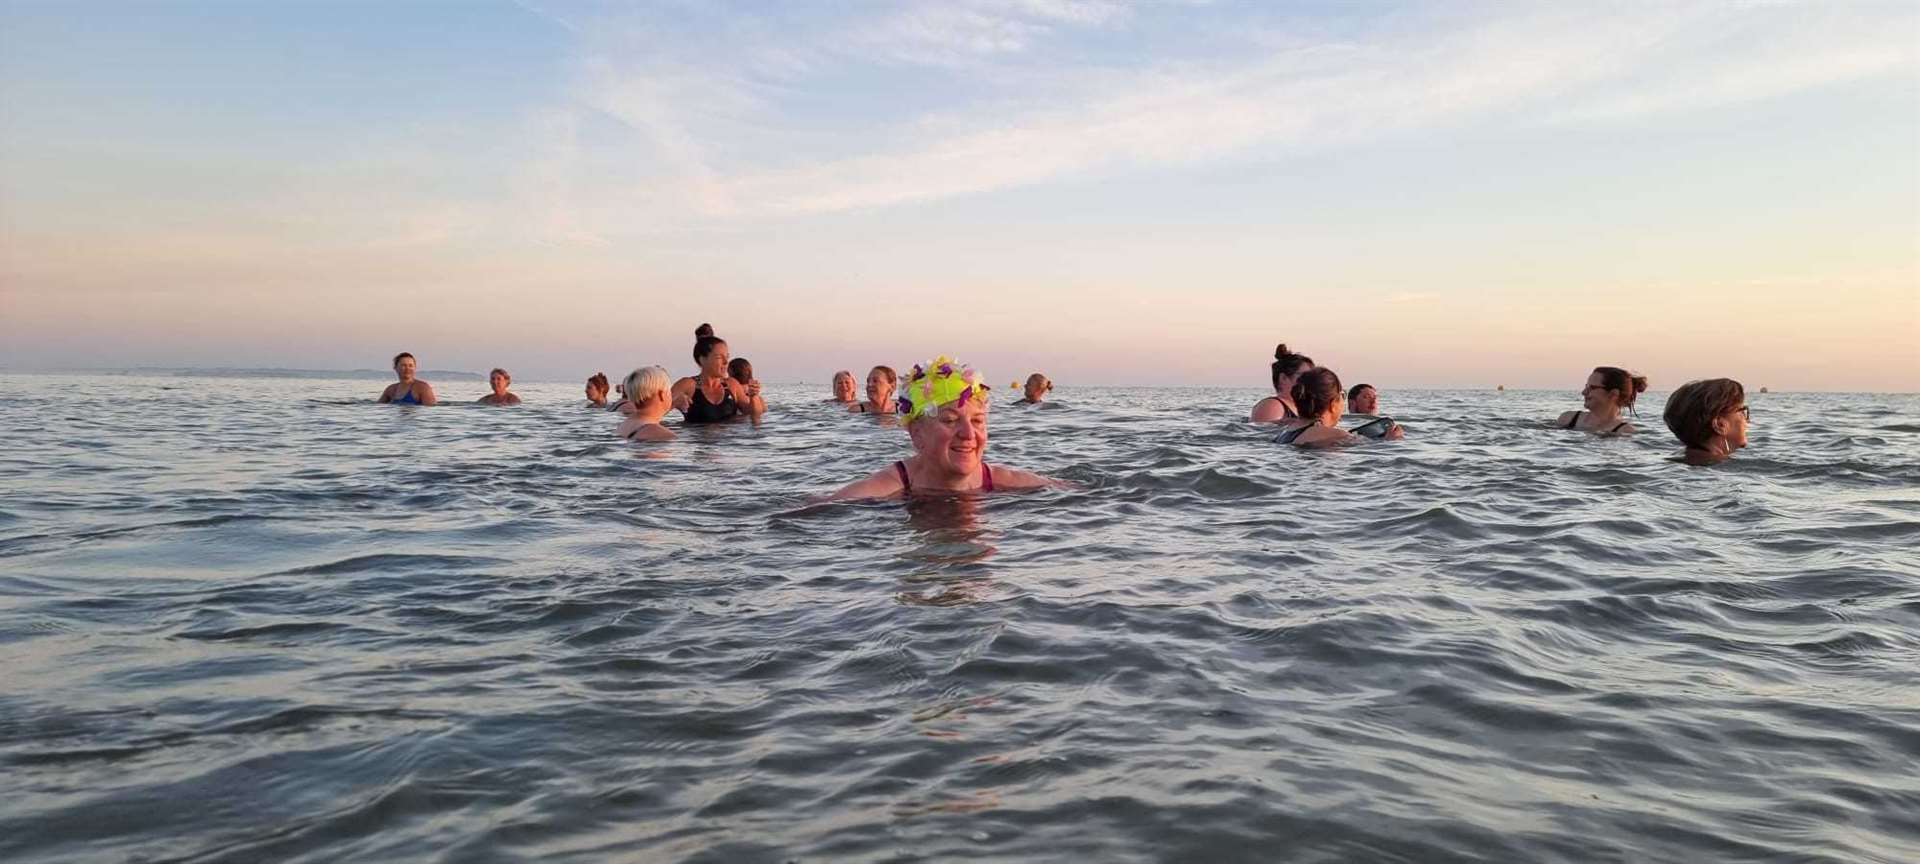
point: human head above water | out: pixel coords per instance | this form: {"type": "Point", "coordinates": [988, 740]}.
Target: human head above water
{"type": "Point", "coordinates": [1699, 411]}
{"type": "Point", "coordinates": [499, 379]}
{"type": "Point", "coordinates": [706, 347]}
{"type": "Point", "coordinates": [647, 382]}
{"type": "Point", "coordinates": [1316, 392]}
{"type": "Point", "coordinates": [944, 406]}
{"type": "Point", "coordinates": [740, 370]}
{"type": "Point", "coordinates": [1613, 385]}
{"type": "Point", "coordinates": [1363, 399]}
{"type": "Point", "coordinates": [405, 371]}
{"type": "Point", "coordinates": [843, 385]}
{"type": "Point", "coordinates": [1287, 366]}
{"type": "Point", "coordinates": [882, 381]}
{"type": "Point", "coordinates": [1038, 385]}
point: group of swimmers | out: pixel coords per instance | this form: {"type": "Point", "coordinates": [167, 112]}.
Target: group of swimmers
{"type": "Point", "coordinates": [943, 406]}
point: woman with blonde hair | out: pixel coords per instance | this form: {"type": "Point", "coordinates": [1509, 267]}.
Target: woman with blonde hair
{"type": "Point", "coordinates": [649, 392]}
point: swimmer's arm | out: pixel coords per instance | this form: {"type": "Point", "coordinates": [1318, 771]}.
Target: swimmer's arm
{"type": "Point", "coordinates": [755, 405]}
{"type": "Point", "coordinates": [883, 483]}
{"type": "Point", "coordinates": [682, 394]}
{"type": "Point", "coordinates": [427, 397]}
{"type": "Point", "coordinates": [387, 394]}
{"type": "Point", "coordinates": [1014, 478]}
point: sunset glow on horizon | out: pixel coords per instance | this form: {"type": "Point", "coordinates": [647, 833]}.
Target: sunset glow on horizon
{"type": "Point", "coordinates": [1117, 193]}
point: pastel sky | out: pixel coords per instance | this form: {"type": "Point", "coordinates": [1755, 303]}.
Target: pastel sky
{"type": "Point", "coordinates": [1444, 194]}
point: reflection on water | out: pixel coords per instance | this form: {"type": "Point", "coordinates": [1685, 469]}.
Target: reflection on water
{"type": "Point", "coordinates": [304, 627]}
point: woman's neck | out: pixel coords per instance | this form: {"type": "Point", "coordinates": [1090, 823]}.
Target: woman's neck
{"type": "Point", "coordinates": [925, 475]}
{"type": "Point", "coordinates": [1605, 415]}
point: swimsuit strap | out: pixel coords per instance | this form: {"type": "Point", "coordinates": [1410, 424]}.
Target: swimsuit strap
{"type": "Point", "coordinates": [906, 484]}
{"type": "Point", "coordinates": [1617, 428]}
{"type": "Point", "coordinates": [1575, 421]}
{"type": "Point", "coordinates": [986, 477]}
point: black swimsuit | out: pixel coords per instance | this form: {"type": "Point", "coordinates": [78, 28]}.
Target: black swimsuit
{"type": "Point", "coordinates": [1288, 436]}
{"type": "Point", "coordinates": [1576, 420]}
{"type": "Point", "coordinates": [1290, 413]}
{"type": "Point", "coordinates": [699, 410]}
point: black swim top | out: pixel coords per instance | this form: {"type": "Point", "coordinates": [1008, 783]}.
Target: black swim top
{"type": "Point", "coordinates": [906, 483]}
{"type": "Point", "coordinates": [1288, 436]}
{"type": "Point", "coordinates": [1288, 412]}
{"type": "Point", "coordinates": [699, 410]}
{"type": "Point", "coordinates": [1575, 421]}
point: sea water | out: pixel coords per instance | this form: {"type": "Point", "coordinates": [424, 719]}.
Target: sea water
{"type": "Point", "coordinates": [253, 620]}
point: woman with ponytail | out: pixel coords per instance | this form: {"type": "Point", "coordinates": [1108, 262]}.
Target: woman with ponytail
{"type": "Point", "coordinates": [1287, 368]}
{"type": "Point", "coordinates": [1609, 394]}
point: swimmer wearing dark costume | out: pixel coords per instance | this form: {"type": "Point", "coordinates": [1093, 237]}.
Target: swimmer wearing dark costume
{"type": "Point", "coordinates": [906, 484]}
{"type": "Point", "coordinates": [1288, 436]}
{"type": "Point", "coordinates": [1574, 421]}
{"type": "Point", "coordinates": [699, 410]}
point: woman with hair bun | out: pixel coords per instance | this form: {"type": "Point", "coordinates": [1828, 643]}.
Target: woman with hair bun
{"type": "Point", "coordinates": [1321, 402]}
{"type": "Point", "coordinates": [713, 396]}
{"type": "Point", "coordinates": [1610, 392]}
{"type": "Point", "coordinates": [1287, 368]}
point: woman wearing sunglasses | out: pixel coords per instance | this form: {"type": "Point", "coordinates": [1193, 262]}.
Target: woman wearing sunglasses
{"type": "Point", "coordinates": [1710, 417]}
{"type": "Point", "coordinates": [1609, 393]}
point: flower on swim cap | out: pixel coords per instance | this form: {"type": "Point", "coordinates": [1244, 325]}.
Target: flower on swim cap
{"type": "Point", "coordinates": [948, 382]}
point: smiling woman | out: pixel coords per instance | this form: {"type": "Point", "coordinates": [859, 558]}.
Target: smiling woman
{"type": "Point", "coordinates": [944, 405]}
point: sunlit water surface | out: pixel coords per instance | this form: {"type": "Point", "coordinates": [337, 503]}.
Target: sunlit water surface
{"type": "Point", "coordinates": [249, 620]}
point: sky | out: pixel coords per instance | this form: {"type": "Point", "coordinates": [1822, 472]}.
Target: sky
{"type": "Point", "coordinates": [1152, 193]}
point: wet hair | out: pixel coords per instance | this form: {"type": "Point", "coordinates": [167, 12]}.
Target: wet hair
{"type": "Point", "coordinates": [703, 342]}
{"type": "Point", "coordinates": [500, 372]}
{"type": "Point", "coordinates": [403, 355]}
{"type": "Point", "coordinates": [1316, 391]}
{"type": "Point", "coordinates": [599, 382]}
{"type": "Point", "coordinates": [1694, 406]}
{"type": "Point", "coordinates": [886, 372]}
{"type": "Point", "coordinates": [1287, 363]}
{"type": "Point", "coordinates": [740, 370]}
{"type": "Point", "coordinates": [642, 383]}
{"type": "Point", "coordinates": [1354, 392]}
{"type": "Point", "coordinates": [1619, 380]}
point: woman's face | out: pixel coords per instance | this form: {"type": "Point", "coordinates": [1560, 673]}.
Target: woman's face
{"type": "Point", "coordinates": [953, 440]}
{"type": "Point", "coordinates": [1596, 396]}
{"type": "Point", "coordinates": [1366, 401]}
{"type": "Point", "coordinates": [499, 381]}
{"type": "Point", "coordinates": [714, 365]}
{"type": "Point", "coordinates": [1733, 427]}
{"type": "Point", "coordinates": [404, 368]}
{"type": "Point", "coordinates": [879, 389]}
{"type": "Point", "coordinates": [843, 387]}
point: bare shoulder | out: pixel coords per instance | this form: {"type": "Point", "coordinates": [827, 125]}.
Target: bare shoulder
{"type": "Point", "coordinates": [1566, 417]}
{"type": "Point", "coordinates": [388, 394]}
{"type": "Point", "coordinates": [425, 393]}
{"type": "Point", "coordinates": [1268, 410]}
{"type": "Point", "coordinates": [1623, 429]}
{"type": "Point", "coordinates": [880, 484]}
{"type": "Point", "coordinates": [1326, 436]}
{"type": "Point", "coordinates": [653, 432]}
{"type": "Point", "coordinates": [1014, 478]}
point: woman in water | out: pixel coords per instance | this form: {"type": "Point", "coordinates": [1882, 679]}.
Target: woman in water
{"type": "Point", "coordinates": [1036, 390]}
{"type": "Point", "coordinates": [499, 380]}
{"type": "Point", "coordinates": [409, 390]}
{"type": "Point", "coordinates": [843, 388]}
{"type": "Point", "coordinates": [712, 396]}
{"type": "Point", "coordinates": [597, 389]}
{"type": "Point", "coordinates": [1321, 402]}
{"type": "Point", "coordinates": [944, 408]}
{"type": "Point", "coordinates": [649, 392]}
{"type": "Point", "coordinates": [1610, 392]}
{"type": "Point", "coordinates": [1710, 417]}
{"type": "Point", "coordinates": [880, 386]}
{"type": "Point", "coordinates": [1287, 367]}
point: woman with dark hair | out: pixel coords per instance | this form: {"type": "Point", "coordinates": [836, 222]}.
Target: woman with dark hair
{"type": "Point", "coordinates": [1610, 392]}
{"type": "Point", "coordinates": [1321, 402]}
{"type": "Point", "coordinates": [409, 390]}
{"type": "Point", "coordinates": [1287, 368]}
{"type": "Point", "coordinates": [1710, 417]}
{"type": "Point", "coordinates": [712, 396]}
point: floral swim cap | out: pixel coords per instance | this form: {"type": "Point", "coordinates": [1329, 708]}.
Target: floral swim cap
{"type": "Point", "coordinates": [937, 383]}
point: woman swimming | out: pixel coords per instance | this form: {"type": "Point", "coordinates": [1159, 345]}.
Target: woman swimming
{"type": "Point", "coordinates": [1710, 417]}
{"type": "Point", "coordinates": [880, 386]}
{"type": "Point", "coordinates": [944, 408]}
{"type": "Point", "coordinates": [597, 390]}
{"type": "Point", "coordinates": [843, 388]}
{"type": "Point", "coordinates": [1317, 392]}
{"type": "Point", "coordinates": [1610, 391]}
{"type": "Point", "coordinates": [409, 390]}
{"type": "Point", "coordinates": [1036, 389]}
{"type": "Point", "coordinates": [499, 380]}
{"type": "Point", "coordinates": [713, 396]}
{"type": "Point", "coordinates": [1287, 367]}
{"type": "Point", "coordinates": [651, 395]}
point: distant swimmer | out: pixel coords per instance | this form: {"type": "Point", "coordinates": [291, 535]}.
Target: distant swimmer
{"type": "Point", "coordinates": [1321, 401]}
{"type": "Point", "coordinates": [843, 389]}
{"type": "Point", "coordinates": [713, 396]}
{"type": "Point", "coordinates": [944, 407]}
{"type": "Point", "coordinates": [1710, 417]}
{"type": "Point", "coordinates": [881, 383]}
{"type": "Point", "coordinates": [1610, 391]}
{"type": "Point", "coordinates": [499, 380]}
{"type": "Point", "coordinates": [649, 390]}
{"type": "Point", "coordinates": [1287, 368]}
{"type": "Point", "coordinates": [1036, 390]}
{"type": "Point", "coordinates": [409, 390]}
{"type": "Point", "coordinates": [597, 390]}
